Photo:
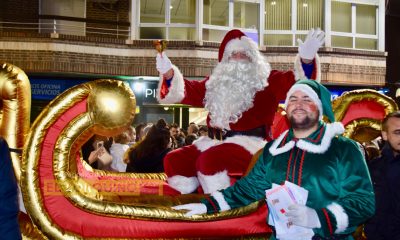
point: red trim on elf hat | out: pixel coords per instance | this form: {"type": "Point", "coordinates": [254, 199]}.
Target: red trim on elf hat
{"type": "Point", "coordinates": [235, 33]}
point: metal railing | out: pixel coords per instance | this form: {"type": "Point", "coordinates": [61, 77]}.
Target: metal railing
{"type": "Point", "coordinates": [71, 26]}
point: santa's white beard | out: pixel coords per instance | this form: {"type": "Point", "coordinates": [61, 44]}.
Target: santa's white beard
{"type": "Point", "coordinates": [231, 89]}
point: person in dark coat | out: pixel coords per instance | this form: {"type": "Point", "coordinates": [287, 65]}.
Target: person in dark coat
{"type": "Point", "coordinates": [9, 227]}
{"type": "Point", "coordinates": [385, 175]}
{"type": "Point", "coordinates": [147, 155]}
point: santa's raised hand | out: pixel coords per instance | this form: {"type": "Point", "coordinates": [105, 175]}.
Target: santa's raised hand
{"type": "Point", "coordinates": [309, 48]}
{"type": "Point", "coordinates": [163, 64]}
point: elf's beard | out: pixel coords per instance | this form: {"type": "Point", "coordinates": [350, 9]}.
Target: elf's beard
{"type": "Point", "coordinates": [307, 123]}
{"type": "Point", "coordinates": [231, 90]}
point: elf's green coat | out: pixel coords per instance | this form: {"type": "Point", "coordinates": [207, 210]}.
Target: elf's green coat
{"type": "Point", "coordinates": [332, 168]}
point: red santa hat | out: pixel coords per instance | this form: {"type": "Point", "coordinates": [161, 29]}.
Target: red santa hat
{"type": "Point", "coordinates": [235, 33]}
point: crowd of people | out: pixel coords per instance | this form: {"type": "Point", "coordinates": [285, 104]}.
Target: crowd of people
{"type": "Point", "coordinates": [139, 149]}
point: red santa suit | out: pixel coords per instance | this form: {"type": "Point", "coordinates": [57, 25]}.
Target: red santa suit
{"type": "Point", "coordinates": [216, 163]}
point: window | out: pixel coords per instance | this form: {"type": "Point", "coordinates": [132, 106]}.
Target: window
{"type": "Point", "coordinates": [366, 19]}
{"type": "Point", "coordinates": [341, 17]}
{"type": "Point", "coordinates": [278, 23]}
{"type": "Point", "coordinates": [152, 11]}
{"type": "Point", "coordinates": [183, 11]}
{"type": "Point", "coordinates": [220, 16]}
{"type": "Point", "coordinates": [246, 15]}
{"type": "Point", "coordinates": [216, 12]}
{"type": "Point", "coordinates": [310, 14]}
{"type": "Point", "coordinates": [354, 25]}
{"type": "Point", "coordinates": [180, 33]}
{"type": "Point", "coordinates": [152, 33]}
{"type": "Point", "coordinates": [169, 19]}
{"type": "Point", "coordinates": [278, 14]}
{"type": "Point", "coordinates": [366, 24]}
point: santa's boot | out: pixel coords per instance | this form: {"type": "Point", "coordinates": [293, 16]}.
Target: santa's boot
{"type": "Point", "coordinates": [179, 166]}
{"type": "Point", "coordinates": [220, 165]}
{"type": "Point", "coordinates": [215, 182]}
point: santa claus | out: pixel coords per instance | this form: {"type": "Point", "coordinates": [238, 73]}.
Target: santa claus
{"type": "Point", "coordinates": [241, 95]}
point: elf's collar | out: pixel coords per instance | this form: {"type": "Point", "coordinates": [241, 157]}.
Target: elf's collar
{"type": "Point", "coordinates": [311, 144]}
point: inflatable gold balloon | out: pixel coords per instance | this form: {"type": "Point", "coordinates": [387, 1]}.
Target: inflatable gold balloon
{"type": "Point", "coordinates": [361, 112]}
{"type": "Point", "coordinates": [15, 96]}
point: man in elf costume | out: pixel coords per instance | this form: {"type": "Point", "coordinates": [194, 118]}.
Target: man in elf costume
{"type": "Point", "coordinates": [312, 155]}
{"type": "Point", "coordinates": [242, 95]}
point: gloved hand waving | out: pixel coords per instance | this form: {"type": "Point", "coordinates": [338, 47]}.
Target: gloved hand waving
{"type": "Point", "coordinates": [194, 208]}
{"type": "Point", "coordinates": [163, 63]}
{"type": "Point", "coordinates": [303, 216]}
{"type": "Point", "coordinates": [314, 40]}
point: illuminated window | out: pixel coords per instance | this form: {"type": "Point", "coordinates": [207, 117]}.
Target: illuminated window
{"type": "Point", "coordinates": [246, 15]}
{"type": "Point", "coordinates": [216, 12]}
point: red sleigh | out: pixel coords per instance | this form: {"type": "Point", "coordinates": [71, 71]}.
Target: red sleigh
{"type": "Point", "coordinates": [67, 199]}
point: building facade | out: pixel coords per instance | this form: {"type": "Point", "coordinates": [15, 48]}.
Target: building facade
{"type": "Point", "coordinates": [71, 41]}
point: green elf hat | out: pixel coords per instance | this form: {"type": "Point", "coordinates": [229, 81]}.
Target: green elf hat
{"type": "Point", "coordinates": [318, 93]}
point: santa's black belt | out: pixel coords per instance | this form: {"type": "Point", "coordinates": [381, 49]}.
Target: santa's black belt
{"type": "Point", "coordinates": [219, 134]}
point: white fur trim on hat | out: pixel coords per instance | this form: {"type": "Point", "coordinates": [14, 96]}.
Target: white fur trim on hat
{"type": "Point", "coordinates": [219, 197]}
{"type": "Point", "coordinates": [251, 144]}
{"type": "Point", "coordinates": [183, 184]}
{"type": "Point", "coordinates": [342, 219]}
{"type": "Point", "coordinates": [310, 92]}
{"type": "Point", "coordinates": [244, 44]}
{"type": "Point", "coordinates": [204, 143]}
{"type": "Point", "coordinates": [299, 71]}
{"type": "Point", "coordinates": [213, 183]}
{"type": "Point", "coordinates": [176, 91]}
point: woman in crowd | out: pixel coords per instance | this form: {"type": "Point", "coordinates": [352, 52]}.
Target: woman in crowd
{"type": "Point", "coordinates": [190, 138]}
{"type": "Point", "coordinates": [203, 131]}
{"type": "Point", "coordinates": [139, 131]}
{"type": "Point", "coordinates": [132, 135]}
{"type": "Point", "coordinates": [147, 155]}
{"type": "Point", "coordinates": [118, 149]}
{"type": "Point", "coordinates": [96, 152]}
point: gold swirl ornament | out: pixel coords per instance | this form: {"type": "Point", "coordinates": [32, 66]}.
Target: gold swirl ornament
{"type": "Point", "coordinates": [15, 96]}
